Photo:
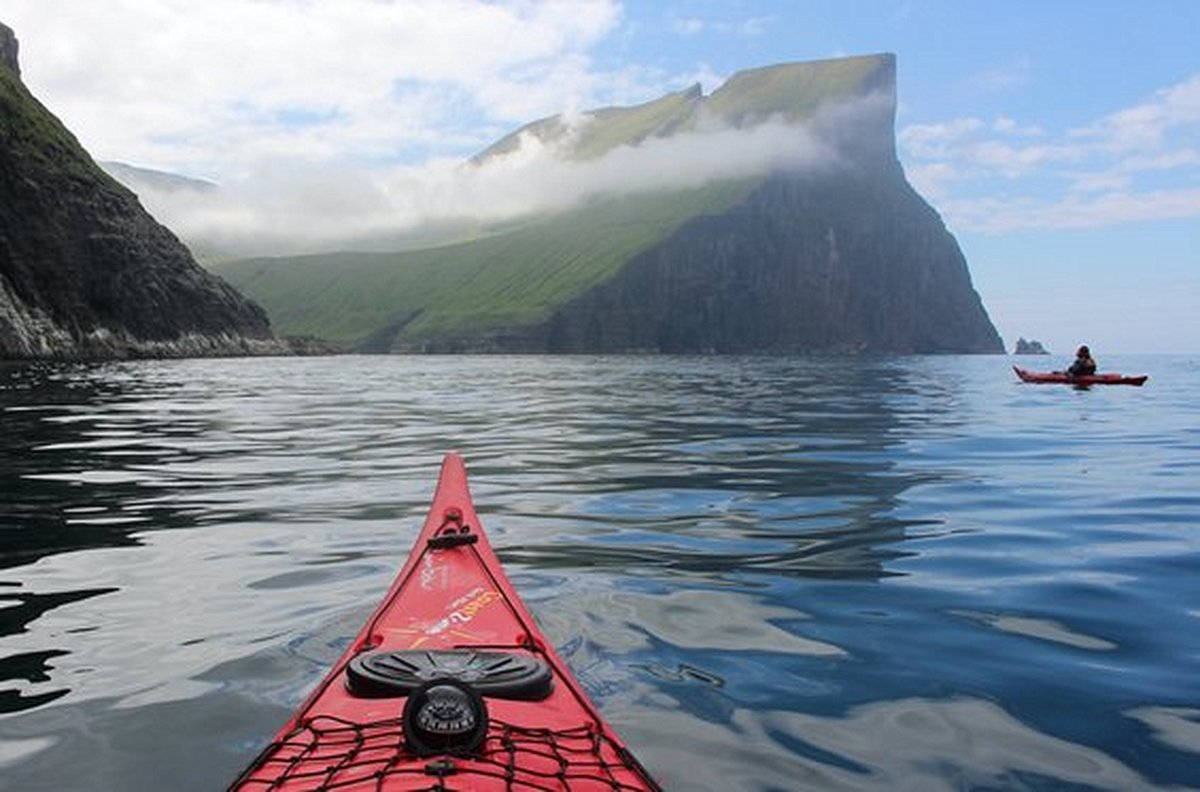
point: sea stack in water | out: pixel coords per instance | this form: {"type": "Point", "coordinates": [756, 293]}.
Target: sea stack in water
{"type": "Point", "coordinates": [85, 272]}
{"type": "Point", "coordinates": [1030, 347]}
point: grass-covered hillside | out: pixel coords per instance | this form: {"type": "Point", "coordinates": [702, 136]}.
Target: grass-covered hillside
{"type": "Point", "coordinates": [509, 278]}
{"type": "Point", "coordinates": [795, 91]}
{"type": "Point", "coordinates": [790, 92]}
{"type": "Point", "coordinates": [607, 128]}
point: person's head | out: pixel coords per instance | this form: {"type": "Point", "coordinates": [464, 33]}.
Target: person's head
{"type": "Point", "coordinates": [1083, 352]}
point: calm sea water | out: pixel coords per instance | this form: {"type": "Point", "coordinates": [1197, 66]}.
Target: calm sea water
{"type": "Point", "coordinates": [770, 574]}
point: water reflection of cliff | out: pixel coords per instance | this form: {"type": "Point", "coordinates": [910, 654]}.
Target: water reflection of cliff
{"type": "Point", "coordinates": [69, 482]}
{"type": "Point", "coordinates": [74, 467]}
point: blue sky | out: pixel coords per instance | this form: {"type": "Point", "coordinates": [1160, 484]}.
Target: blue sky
{"type": "Point", "coordinates": [1060, 140]}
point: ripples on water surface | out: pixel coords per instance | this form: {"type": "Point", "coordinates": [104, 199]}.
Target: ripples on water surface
{"type": "Point", "coordinates": [770, 574]}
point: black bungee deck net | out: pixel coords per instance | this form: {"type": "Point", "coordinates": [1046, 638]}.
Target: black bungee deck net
{"type": "Point", "coordinates": [327, 753]}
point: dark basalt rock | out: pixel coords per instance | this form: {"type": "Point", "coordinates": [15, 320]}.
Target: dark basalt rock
{"type": "Point", "coordinates": [85, 272]}
{"type": "Point", "coordinates": [8, 50]}
{"type": "Point", "coordinates": [816, 266]}
{"type": "Point", "coordinates": [1030, 347]}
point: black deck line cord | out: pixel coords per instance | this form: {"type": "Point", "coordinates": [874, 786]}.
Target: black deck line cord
{"type": "Point", "coordinates": [355, 738]}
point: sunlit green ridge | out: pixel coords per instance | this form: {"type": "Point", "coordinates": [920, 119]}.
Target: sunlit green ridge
{"type": "Point", "coordinates": [512, 278]}
{"type": "Point", "coordinates": [791, 92]}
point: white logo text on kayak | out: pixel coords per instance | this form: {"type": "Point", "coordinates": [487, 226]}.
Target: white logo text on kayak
{"type": "Point", "coordinates": [464, 609]}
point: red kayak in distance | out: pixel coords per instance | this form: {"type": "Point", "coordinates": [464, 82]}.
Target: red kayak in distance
{"type": "Point", "coordinates": [450, 685]}
{"type": "Point", "coordinates": [1063, 378]}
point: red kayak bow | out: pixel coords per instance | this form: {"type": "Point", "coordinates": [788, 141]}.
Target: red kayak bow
{"type": "Point", "coordinates": [449, 686]}
{"type": "Point", "coordinates": [1062, 378]}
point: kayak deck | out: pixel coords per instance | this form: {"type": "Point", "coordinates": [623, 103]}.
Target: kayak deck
{"type": "Point", "coordinates": [1062, 378]}
{"type": "Point", "coordinates": [328, 753]}
{"type": "Point", "coordinates": [398, 710]}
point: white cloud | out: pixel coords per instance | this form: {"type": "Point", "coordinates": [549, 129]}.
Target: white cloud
{"type": "Point", "coordinates": [1009, 126]}
{"type": "Point", "coordinates": [750, 27]}
{"type": "Point", "coordinates": [1149, 124]}
{"type": "Point", "coordinates": [756, 26]}
{"type": "Point", "coordinates": [1001, 79]}
{"type": "Point", "coordinates": [934, 180]}
{"type": "Point", "coordinates": [286, 207]}
{"type": "Point", "coordinates": [1098, 210]}
{"type": "Point", "coordinates": [687, 26]}
{"type": "Point", "coordinates": [1134, 165]}
{"type": "Point", "coordinates": [935, 140]}
{"type": "Point", "coordinates": [1014, 161]}
{"type": "Point", "coordinates": [1104, 181]}
{"type": "Point", "coordinates": [212, 87]}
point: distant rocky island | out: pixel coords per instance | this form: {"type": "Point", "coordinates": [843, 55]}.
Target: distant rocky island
{"type": "Point", "coordinates": [1024, 347]}
{"type": "Point", "coordinates": [85, 272]}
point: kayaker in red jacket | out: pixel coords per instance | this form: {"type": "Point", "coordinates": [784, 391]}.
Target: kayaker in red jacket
{"type": "Point", "coordinates": [1083, 365]}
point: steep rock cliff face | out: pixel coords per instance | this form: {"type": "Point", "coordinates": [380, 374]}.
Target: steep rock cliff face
{"type": "Point", "coordinates": [85, 272]}
{"type": "Point", "coordinates": [846, 258]}
{"type": "Point", "coordinates": [850, 262]}
{"type": "Point", "coordinates": [8, 51]}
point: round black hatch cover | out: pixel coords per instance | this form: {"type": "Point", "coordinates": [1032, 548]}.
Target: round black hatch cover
{"type": "Point", "coordinates": [504, 675]}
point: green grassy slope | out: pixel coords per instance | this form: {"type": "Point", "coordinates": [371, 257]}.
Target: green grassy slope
{"type": "Point", "coordinates": [793, 91]}
{"type": "Point", "coordinates": [607, 128]}
{"type": "Point", "coordinates": [508, 279]}
{"type": "Point", "coordinates": [29, 131]}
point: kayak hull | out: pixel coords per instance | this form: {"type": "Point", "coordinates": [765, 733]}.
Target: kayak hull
{"type": "Point", "coordinates": [452, 607]}
{"type": "Point", "coordinates": [1062, 378]}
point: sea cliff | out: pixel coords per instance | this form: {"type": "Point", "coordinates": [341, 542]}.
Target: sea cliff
{"type": "Point", "coordinates": [85, 271]}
